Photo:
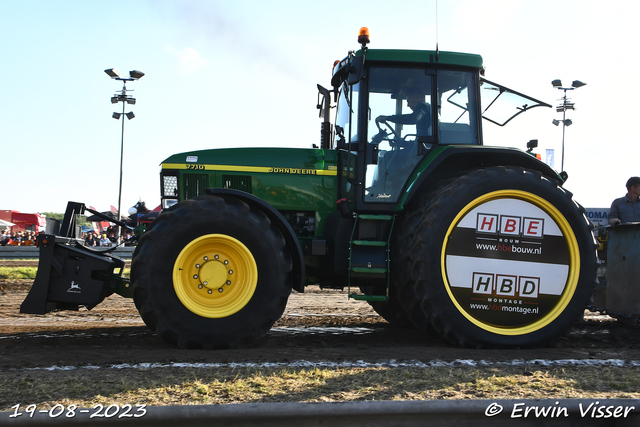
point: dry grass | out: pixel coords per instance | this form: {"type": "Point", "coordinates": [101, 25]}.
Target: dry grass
{"type": "Point", "coordinates": [175, 386]}
{"type": "Point", "coordinates": [172, 386]}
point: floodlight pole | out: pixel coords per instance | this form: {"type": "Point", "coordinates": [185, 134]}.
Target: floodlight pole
{"type": "Point", "coordinates": [564, 127]}
{"type": "Point", "coordinates": [124, 92]}
{"type": "Point", "coordinates": [566, 105]}
{"type": "Point", "coordinates": [122, 97]}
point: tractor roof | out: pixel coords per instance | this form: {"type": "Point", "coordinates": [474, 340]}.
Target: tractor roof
{"type": "Point", "coordinates": [425, 56]}
{"type": "Point", "coordinates": [430, 58]}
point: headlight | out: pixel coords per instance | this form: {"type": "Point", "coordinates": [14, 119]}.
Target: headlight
{"type": "Point", "coordinates": [167, 203]}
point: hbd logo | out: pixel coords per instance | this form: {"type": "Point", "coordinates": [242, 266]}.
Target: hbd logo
{"type": "Point", "coordinates": [504, 285]}
{"type": "Point", "coordinates": [509, 225]}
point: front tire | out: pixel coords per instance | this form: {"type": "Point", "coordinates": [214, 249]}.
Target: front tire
{"type": "Point", "coordinates": [211, 272]}
{"type": "Point", "coordinates": [502, 257]}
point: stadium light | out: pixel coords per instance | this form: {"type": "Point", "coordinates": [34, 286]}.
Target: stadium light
{"type": "Point", "coordinates": [121, 96]}
{"type": "Point", "coordinates": [563, 107]}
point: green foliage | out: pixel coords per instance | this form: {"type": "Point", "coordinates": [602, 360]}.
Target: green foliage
{"type": "Point", "coordinates": [53, 215]}
{"type": "Point", "coordinates": [18, 272]}
{"type": "Point", "coordinates": [82, 220]}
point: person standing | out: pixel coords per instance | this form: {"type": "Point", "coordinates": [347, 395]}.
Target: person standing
{"type": "Point", "coordinates": [627, 208]}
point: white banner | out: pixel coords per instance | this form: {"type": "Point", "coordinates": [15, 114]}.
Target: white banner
{"type": "Point", "coordinates": [549, 157]}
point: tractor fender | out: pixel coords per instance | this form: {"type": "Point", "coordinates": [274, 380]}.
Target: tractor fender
{"type": "Point", "coordinates": [454, 161]}
{"type": "Point", "coordinates": [298, 271]}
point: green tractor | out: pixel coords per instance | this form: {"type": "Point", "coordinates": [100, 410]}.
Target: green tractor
{"type": "Point", "coordinates": [401, 204]}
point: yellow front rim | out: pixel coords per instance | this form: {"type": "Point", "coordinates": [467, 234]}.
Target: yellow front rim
{"type": "Point", "coordinates": [572, 250]}
{"type": "Point", "coordinates": [215, 276]}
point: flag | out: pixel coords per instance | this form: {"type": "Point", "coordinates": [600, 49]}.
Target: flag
{"type": "Point", "coordinates": [549, 158]}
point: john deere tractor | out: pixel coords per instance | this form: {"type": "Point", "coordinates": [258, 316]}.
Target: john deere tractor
{"type": "Point", "coordinates": [401, 204]}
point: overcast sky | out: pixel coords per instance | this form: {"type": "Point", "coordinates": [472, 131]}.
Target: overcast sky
{"type": "Point", "coordinates": [244, 73]}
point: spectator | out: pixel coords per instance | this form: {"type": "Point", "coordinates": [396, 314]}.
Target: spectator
{"type": "Point", "coordinates": [128, 238]}
{"type": "Point", "coordinates": [112, 235]}
{"type": "Point", "coordinates": [627, 208]}
{"type": "Point", "coordinates": [105, 241]}
{"type": "Point", "coordinates": [16, 238]}
{"type": "Point", "coordinates": [91, 240]}
{"type": "Point", "coordinates": [26, 241]}
{"type": "Point", "coordinates": [6, 238]}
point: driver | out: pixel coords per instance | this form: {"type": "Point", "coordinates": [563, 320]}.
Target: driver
{"type": "Point", "coordinates": [421, 115]}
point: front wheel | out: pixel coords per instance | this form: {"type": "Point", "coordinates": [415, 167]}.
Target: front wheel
{"type": "Point", "coordinates": [211, 272]}
{"type": "Point", "coordinates": [502, 257]}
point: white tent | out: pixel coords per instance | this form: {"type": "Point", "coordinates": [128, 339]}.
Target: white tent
{"type": "Point", "coordinates": [5, 224]}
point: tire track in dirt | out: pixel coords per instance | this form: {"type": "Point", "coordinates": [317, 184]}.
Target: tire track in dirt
{"type": "Point", "coordinates": [319, 326]}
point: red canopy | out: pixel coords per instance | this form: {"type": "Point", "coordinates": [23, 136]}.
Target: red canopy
{"type": "Point", "coordinates": [18, 217]}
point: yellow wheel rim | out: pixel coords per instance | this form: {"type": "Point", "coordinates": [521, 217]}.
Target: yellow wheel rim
{"type": "Point", "coordinates": [215, 276]}
{"type": "Point", "coordinates": [568, 247]}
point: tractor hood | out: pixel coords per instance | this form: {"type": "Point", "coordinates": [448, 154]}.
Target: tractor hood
{"type": "Point", "coordinates": [285, 178]}
{"type": "Point", "coordinates": [294, 161]}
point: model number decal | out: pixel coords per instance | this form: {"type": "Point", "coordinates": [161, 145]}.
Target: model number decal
{"type": "Point", "coordinates": [250, 169]}
{"type": "Point", "coordinates": [195, 167]}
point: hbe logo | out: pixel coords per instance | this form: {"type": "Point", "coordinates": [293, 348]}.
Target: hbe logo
{"type": "Point", "coordinates": [509, 225]}
{"type": "Point", "coordinates": [504, 285]}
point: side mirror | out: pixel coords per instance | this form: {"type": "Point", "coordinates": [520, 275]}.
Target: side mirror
{"type": "Point", "coordinates": [531, 145]}
{"type": "Point", "coordinates": [324, 103]}
{"type": "Point", "coordinates": [356, 69]}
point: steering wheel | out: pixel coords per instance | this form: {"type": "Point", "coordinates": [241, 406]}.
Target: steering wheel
{"type": "Point", "coordinates": [393, 131]}
{"type": "Point", "coordinates": [395, 140]}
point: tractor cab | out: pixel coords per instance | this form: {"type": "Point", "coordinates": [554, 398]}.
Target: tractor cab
{"type": "Point", "coordinates": [396, 108]}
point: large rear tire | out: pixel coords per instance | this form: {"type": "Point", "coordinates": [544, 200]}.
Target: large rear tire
{"type": "Point", "coordinates": [501, 257]}
{"type": "Point", "coordinates": [390, 310]}
{"type": "Point", "coordinates": [211, 273]}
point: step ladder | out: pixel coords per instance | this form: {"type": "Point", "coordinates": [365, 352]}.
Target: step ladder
{"type": "Point", "coordinates": [369, 252]}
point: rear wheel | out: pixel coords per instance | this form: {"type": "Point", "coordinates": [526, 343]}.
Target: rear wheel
{"type": "Point", "coordinates": [390, 310]}
{"type": "Point", "coordinates": [501, 257]}
{"type": "Point", "coordinates": [211, 273]}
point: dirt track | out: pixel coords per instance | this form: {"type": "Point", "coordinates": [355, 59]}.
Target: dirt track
{"type": "Point", "coordinates": [317, 326]}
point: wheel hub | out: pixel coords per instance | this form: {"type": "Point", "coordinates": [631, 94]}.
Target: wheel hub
{"type": "Point", "coordinates": [215, 275]}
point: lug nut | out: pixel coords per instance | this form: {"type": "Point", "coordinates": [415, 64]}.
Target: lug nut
{"type": "Point", "coordinates": [195, 276]}
{"type": "Point", "coordinates": [210, 291]}
{"type": "Point", "coordinates": [220, 290]}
